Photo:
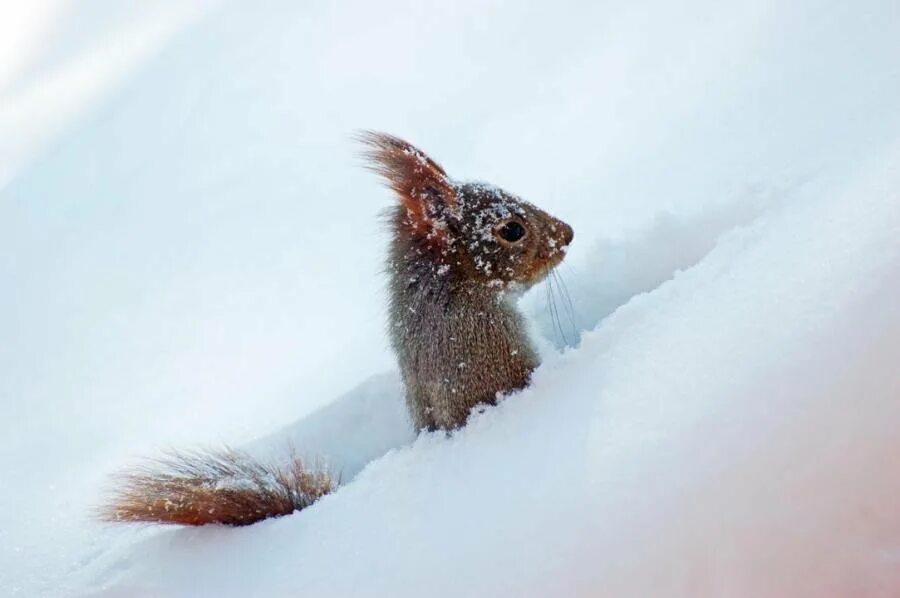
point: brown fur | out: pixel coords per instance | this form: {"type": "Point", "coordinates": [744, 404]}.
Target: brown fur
{"type": "Point", "coordinates": [199, 488]}
{"type": "Point", "coordinates": [459, 339]}
{"type": "Point", "coordinates": [417, 180]}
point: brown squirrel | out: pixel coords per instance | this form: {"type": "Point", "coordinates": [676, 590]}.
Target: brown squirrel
{"type": "Point", "coordinates": [460, 253]}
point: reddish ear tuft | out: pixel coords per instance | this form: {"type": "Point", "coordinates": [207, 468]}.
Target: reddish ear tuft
{"type": "Point", "coordinates": [421, 184]}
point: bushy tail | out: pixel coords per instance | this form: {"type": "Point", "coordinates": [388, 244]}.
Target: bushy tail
{"type": "Point", "coordinates": [201, 487]}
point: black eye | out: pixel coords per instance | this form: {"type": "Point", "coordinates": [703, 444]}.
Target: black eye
{"type": "Point", "coordinates": [511, 231]}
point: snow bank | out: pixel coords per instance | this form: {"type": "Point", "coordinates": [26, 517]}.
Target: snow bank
{"type": "Point", "coordinates": [728, 433]}
{"type": "Point", "coordinates": [617, 269]}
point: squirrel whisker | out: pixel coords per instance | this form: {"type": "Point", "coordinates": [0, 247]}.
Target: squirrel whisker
{"type": "Point", "coordinates": [568, 305]}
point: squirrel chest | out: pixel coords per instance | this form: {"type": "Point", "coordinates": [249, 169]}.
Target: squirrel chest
{"type": "Point", "coordinates": [457, 346]}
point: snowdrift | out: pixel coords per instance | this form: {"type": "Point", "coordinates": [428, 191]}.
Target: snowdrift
{"type": "Point", "coordinates": [731, 432]}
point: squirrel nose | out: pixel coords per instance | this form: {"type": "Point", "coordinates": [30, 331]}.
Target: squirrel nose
{"type": "Point", "coordinates": [568, 233]}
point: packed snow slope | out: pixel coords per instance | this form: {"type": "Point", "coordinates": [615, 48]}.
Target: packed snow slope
{"type": "Point", "coordinates": [730, 433]}
{"type": "Point", "coordinates": [191, 256]}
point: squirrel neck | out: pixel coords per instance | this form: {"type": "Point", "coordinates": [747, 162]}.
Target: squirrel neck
{"type": "Point", "coordinates": [458, 342]}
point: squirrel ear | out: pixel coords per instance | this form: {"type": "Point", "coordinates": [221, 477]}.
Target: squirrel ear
{"type": "Point", "coordinates": [419, 182]}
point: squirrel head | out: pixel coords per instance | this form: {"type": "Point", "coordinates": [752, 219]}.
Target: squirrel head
{"type": "Point", "coordinates": [472, 232]}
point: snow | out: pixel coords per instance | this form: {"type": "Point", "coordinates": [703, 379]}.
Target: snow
{"type": "Point", "coordinates": [194, 259]}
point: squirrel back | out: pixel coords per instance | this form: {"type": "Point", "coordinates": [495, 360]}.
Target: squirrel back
{"type": "Point", "coordinates": [460, 255]}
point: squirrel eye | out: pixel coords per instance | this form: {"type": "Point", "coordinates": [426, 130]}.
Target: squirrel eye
{"type": "Point", "coordinates": [511, 231]}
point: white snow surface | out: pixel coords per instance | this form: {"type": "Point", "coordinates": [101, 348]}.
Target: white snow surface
{"type": "Point", "coordinates": [192, 257]}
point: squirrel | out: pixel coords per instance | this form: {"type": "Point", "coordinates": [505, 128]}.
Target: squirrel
{"type": "Point", "coordinates": [460, 254]}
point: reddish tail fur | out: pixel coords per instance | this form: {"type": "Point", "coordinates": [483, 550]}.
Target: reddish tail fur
{"type": "Point", "coordinates": [226, 487]}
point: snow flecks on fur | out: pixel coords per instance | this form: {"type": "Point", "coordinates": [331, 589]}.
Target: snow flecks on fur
{"type": "Point", "coordinates": [202, 487]}
{"type": "Point", "coordinates": [456, 226]}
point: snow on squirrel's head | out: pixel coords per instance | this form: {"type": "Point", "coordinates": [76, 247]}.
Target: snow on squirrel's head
{"type": "Point", "coordinates": [469, 231]}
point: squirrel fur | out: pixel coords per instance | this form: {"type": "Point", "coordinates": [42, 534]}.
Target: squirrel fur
{"type": "Point", "coordinates": [460, 254]}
